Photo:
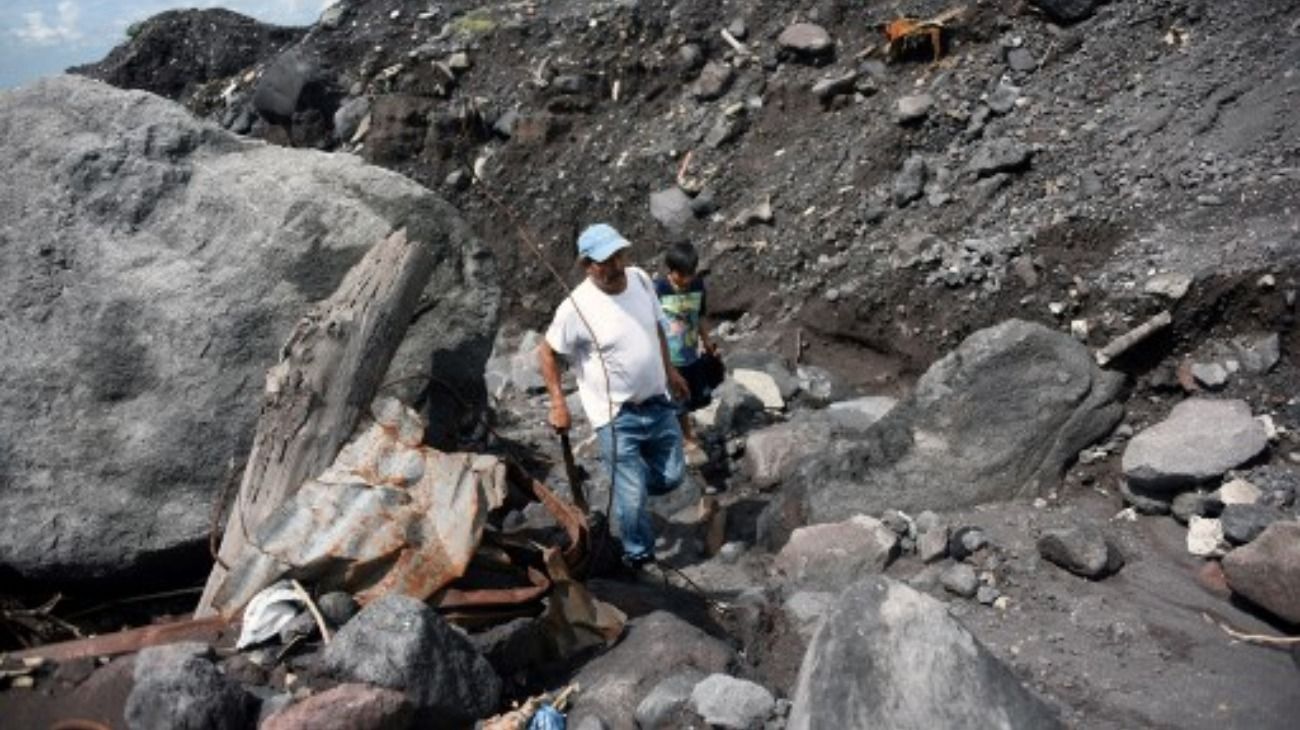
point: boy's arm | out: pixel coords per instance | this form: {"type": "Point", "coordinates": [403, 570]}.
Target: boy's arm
{"type": "Point", "coordinates": [676, 383]}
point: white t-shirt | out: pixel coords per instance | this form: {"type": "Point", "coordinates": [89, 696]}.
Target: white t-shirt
{"type": "Point", "coordinates": [627, 327]}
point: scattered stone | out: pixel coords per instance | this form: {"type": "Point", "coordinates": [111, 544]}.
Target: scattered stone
{"type": "Point", "coordinates": [660, 707]}
{"type": "Point", "coordinates": [1237, 491]}
{"type": "Point", "coordinates": [1172, 285]}
{"type": "Point", "coordinates": [762, 385]}
{"type": "Point", "coordinates": [987, 595]}
{"type": "Point", "coordinates": [1082, 550]}
{"type": "Point", "coordinates": [932, 544]}
{"type": "Point", "coordinates": [727, 702]}
{"type": "Point", "coordinates": [690, 56]}
{"type": "Point", "coordinates": [960, 579]}
{"type": "Point", "coordinates": [345, 707]}
{"type": "Point", "coordinates": [760, 213]}
{"type": "Point", "coordinates": [1021, 60]}
{"type": "Point", "coordinates": [338, 607]}
{"type": "Point", "coordinates": [332, 16]}
{"type": "Point", "coordinates": [459, 62]}
{"type": "Point", "coordinates": [178, 686]}
{"type": "Point", "coordinates": [1242, 523]}
{"type": "Point", "coordinates": [828, 88]}
{"type": "Point", "coordinates": [727, 128]}
{"type": "Point", "coordinates": [1000, 155]}
{"type": "Point", "coordinates": [806, 40]}
{"type": "Point", "coordinates": [900, 523]}
{"type": "Point", "coordinates": [401, 643]}
{"type": "Point", "coordinates": [832, 555]}
{"type": "Point", "coordinates": [1210, 577]}
{"type": "Point", "coordinates": [1267, 570]}
{"type": "Point", "coordinates": [1194, 503]}
{"type": "Point", "coordinates": [863, 664]}
{"type": "Point", "coordinates": [672, 208]}
{"type": "Point", "coordinates": [1258, 355]}
{"type": "Point", "coordinates": [966, 541]}
{"type": "Point", "coordinates": [1003, 99]}
{"type": "Point", "coordinates": [347, 120]}
{"type": "Point", "coordinates": [714, 80]}
{"type": "Point", "coordinates": [909, 185]}
{"type": "Point", "coordinates": [1147, 505]}
{"type": "Point", "coordinates": [1205, 537]}
{"type": "Point", "coordinates": [1211, 376]}
{"type": "Point", "coordinates": [913, 109]}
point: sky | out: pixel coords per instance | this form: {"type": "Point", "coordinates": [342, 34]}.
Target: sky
{"type": "Point", "coordinates": [43, 37]}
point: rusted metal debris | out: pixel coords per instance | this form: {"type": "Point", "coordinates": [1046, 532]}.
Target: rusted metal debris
{"type": "Point", "coordinates": [208, 629]}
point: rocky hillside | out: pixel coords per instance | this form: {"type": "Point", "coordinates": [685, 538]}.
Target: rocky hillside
{"type": "Point", "coordinates": [1057, 157]}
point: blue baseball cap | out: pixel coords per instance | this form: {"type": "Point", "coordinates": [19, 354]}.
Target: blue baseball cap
{"type": "Point", "coordinates": [600, 241]}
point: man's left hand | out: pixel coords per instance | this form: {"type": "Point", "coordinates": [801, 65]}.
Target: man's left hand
{"type": "Point", "coordinates": [677, 384]}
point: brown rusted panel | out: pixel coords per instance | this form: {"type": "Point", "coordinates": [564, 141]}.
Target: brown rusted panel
{"type": "Point", "coordinates": [209, 629]}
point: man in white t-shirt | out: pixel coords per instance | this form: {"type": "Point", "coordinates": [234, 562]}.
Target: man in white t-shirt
{"type": "Point", "coordinates": [609, 328]}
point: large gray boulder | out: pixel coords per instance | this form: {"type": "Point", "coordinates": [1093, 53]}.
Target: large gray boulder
{"type": "Point", "coordinates": [997, 418]}
{"type": "Point", "coordinates": [152, 266]}
{"type": "Point", "coordinates": [400, 643]}
{"type": "Point", "coordinates": [889, 656]}
{"type": "Point", "coordinates": [1267, 571]}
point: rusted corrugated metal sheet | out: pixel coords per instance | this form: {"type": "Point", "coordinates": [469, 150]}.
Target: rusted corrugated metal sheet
{"type": "Point", "coordinates": [389, 515]}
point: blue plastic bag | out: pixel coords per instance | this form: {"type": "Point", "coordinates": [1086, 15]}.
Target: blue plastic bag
{"type": "Point", "coordinates": [547, 718]}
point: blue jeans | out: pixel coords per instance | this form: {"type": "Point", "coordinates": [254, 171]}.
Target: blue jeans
{"type": "Point", "coordinates": [649, 462]}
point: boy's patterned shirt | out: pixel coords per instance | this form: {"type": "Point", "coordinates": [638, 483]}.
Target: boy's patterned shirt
{"type": "Point", "coordinates": [684, 310]}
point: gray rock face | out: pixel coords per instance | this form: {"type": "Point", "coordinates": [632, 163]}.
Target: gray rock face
{"type": "Point", "coordinates": [727, 702]}
{"type": "Point", "coordinates": [997, 418]}
{"type": "Point", "coordinates": [654, 647]}
{"type": "Point", "coordinates": [889, 656]}
{"type": "Point", "coordinates": [152, 267]}
{"type": "Point", "coordinates": [859, 414]}
{"type": "Point", "coordinates": [400, 643]}
{"type": "Point", "coordinates": [1082, 550]}
{"type": "Point", "coordinates": [1267, 571]}
{"type": "Point", "coordinates": [178, 686]}
{"type": "Point", "coordinates": [1199, 441]}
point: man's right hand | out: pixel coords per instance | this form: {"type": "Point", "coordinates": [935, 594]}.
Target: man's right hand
{"type": "Point", "coordinates": [559, 416]}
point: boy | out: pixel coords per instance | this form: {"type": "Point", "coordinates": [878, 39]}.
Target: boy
{"type": "Point", "coordinates": [681, 294]}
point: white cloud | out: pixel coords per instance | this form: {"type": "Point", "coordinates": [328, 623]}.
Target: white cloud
{"type": "Point", "coordinates": [64, 29]}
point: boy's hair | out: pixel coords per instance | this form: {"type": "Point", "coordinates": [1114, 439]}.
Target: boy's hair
{"type": "Point", "coordinates": [681, 257]}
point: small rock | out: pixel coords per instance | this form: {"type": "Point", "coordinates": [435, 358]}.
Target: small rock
{"type": "Point", "coordinates": [829, 88]}
{"type": "Point", "coordinates": [807, 40]}
{"type": "Point", "coordinates": [1238, 491]}
{"type": "Point", "coordinates": [1267, 571]}
{"type": "Point", "coordinates": [1242, 523]}
{"type": "Point", "coordinates": [1171, 285]}
{"type": "Point", "coordinates": [961, 580]}
{"type": "Point", "coordinates": [932, 544]}
{"type": "Point", "coordinates": [1258, 355]}
{"type": "Point", "coordinates": [999, 155]}
{"type": "Point", "coordinates": [660, 707]}
{"type": "Point", "coordinates": [714, 80]}
{"type": "Point", "coordinates": [1003, 99]}
{"type": "Point", "coordinates": [1082, 550]}
{"type": "Point", "coordinates": [966, 541]}
{"type": "Point", "coordinates": [731, 552]}
{"type": "Point", "coordinates": [1192, 504]}
{"type": "Point", "coordinates": [347, 706]}
{"type": "Point", "coordinates": [727, 702]}
{"type": "Point", "coordinates": [672, 208]}
{"type": "Point", "coordinates": [912, 109]}
{"type": "Point", "coordinates": [909, 185]}
{"type": "Point", "coordinates": [987, 595]}
{"type": "Point", "coordinates": [1021, 60]}
{"type": "Point", "coordinates": [1211, 376]}
{"type": "Point", "coordinates": [1205, 537]}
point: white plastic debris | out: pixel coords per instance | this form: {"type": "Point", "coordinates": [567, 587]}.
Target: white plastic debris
{"type": "Point", "coordinates": [269, 611]}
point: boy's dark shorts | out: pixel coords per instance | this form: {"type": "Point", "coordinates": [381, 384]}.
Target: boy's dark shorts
{"type": "Point", "coordinates": [701, 393]}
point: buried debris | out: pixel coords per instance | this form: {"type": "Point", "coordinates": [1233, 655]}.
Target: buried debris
{"type": "Point", "coordinates": [1133, 337]}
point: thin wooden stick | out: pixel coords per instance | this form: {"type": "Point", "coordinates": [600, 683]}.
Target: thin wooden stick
{"type": "Point", "coordinates": [315, 612]}
{"type": "Point", "coordinates": [1263, 639]}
